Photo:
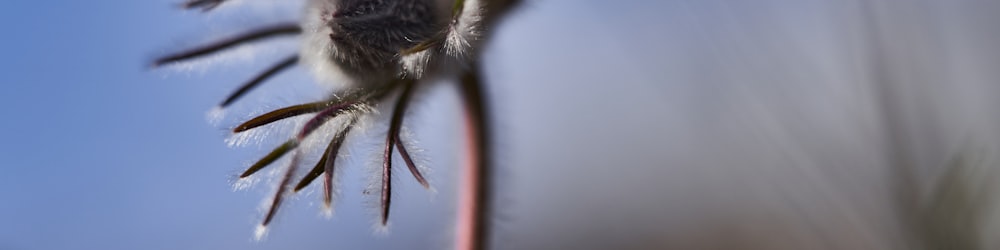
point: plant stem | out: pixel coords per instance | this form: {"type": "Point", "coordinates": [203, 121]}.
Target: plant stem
{"type": "Point", "coordinates": [472, 231]}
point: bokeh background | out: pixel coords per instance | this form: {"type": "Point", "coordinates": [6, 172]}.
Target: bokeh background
{"type": "Point", "coordinates": [709, 124]}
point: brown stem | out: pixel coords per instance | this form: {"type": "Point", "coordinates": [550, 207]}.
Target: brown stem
{"type": "Point", "coordinates": [476, 190]}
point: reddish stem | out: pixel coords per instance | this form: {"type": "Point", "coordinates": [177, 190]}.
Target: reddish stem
{"type": "Point", "coordinates": [472, 231]}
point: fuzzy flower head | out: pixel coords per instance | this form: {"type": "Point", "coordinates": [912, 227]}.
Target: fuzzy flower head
{"type": "Point", "coordinates": [374, 53]}
{"type": "Point", "coordinates": [375, 41]}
